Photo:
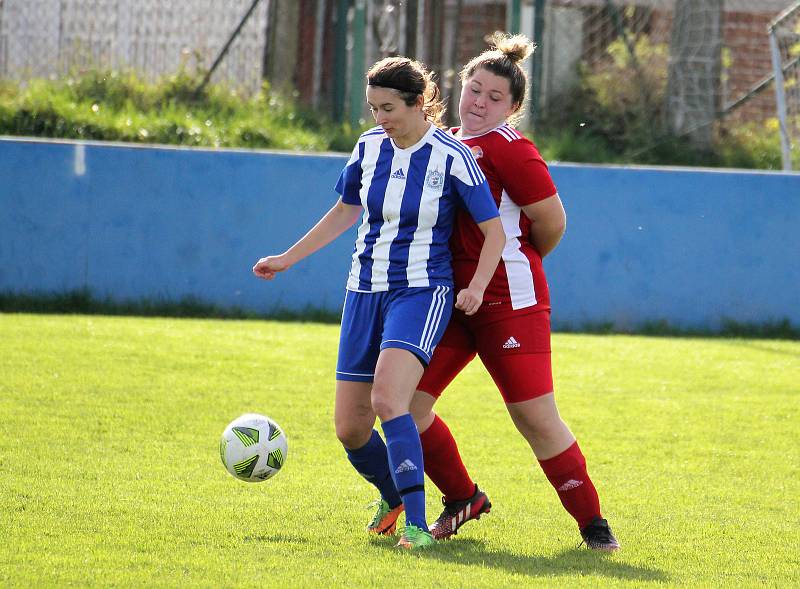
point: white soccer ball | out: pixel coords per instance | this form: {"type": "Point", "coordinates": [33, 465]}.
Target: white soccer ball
{"type": "Point", "coordinates": [253, 448]}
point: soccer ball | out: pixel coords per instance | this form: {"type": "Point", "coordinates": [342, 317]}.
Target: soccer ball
{"type": "Point", "coordinates": [253, 448]}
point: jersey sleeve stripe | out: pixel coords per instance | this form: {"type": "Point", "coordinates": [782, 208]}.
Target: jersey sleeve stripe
{"type": "Point", "coordinates": [373, 131]}
{"type": "Point", "coordinates": [465, 152]}
{"type": "Point", "coordinates": [470, 171]}
{"type": "Point", "coordinates": [475, 173]}
{"type": "Point", "coordinates": [507, 132]}
{"type": "Point", "coordinates": [516, 133]}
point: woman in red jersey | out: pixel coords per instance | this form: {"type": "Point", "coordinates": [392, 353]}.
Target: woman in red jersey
{"type": "Point", "coordinates": [511, 331]}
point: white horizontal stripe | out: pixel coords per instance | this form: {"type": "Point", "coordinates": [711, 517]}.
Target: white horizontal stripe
{"type": "Point", "coordinates": [427, 354]}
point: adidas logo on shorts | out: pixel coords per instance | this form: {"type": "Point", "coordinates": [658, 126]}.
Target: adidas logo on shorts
{"type": "Point", "coordinates": [511, 343]}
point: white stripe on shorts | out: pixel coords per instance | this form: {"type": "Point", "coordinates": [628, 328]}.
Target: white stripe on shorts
{"type": "Point", "coordinates": [434, 317]}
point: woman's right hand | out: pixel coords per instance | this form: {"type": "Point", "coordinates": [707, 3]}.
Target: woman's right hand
{"type": "Point", "coordinates": [469, 300]}
{"type": "Point", "coordinates": [268, 267]}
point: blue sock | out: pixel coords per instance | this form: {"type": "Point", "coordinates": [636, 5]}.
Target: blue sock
{"type": "Point", "coordinates": [405, 460]}
{"type": "Point", "coordinates": [372, 463]}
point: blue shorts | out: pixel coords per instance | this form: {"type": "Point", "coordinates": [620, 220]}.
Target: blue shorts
{"type": "Point", "coordinates": [412, 319]}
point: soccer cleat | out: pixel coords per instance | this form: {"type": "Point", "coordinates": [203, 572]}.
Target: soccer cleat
{"type": "Point", "coordinates": [414, 538]}
{"type": "Point", "coordinates": [457, 513]}
{"type": "Point", "coordinates": [384, 522]}
{"type": "Point", "coordinates": [597, 536]}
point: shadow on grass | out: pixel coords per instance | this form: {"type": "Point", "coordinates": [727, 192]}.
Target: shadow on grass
{"type": "Point", "coordinates": [781, 329]}
{"type": "Point", "coordinates": [762, 347]}
{"type": "Point", "coordinates": [574, 561]}
{"type": "Point", "coordinates": [83, 302]}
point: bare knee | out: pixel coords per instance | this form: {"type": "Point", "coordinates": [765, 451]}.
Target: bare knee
{"type": "Point", "coordinates": [540, 429]}
{"type": "Point", "coordinates": [352, 435]}
{"type": "Point", "coordinates": [385, 406]}
{"type": "Point", "coordinates": [539, 423]}
{"type": "Point", "coordinates": [422, 410]}
{"type": "Point", "coordinates": [353, 416]}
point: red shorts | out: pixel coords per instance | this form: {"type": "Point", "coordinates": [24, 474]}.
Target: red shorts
{"type": "Point", "coordinates": [514, 347]}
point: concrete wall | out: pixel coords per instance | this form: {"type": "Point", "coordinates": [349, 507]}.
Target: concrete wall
{"type": "Point", "coordinates": [692, 247]}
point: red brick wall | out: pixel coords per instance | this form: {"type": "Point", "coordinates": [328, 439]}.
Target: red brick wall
{"type": "Point", "coordinates": [746, 39]}
{"type": "Point", "coordinates": [475, 22]}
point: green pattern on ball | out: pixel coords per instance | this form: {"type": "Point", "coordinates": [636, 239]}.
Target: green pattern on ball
{"type": "Point", "coordinates": [223, 444]}
{"type": "Point", "coordinates": [274, 432]}
{"type": "Point", "coordinates": [247, 435]}
{"type": "Point", "coordinates": [275, 459]}
{"type": "Point", "coordinates": [245, 467]}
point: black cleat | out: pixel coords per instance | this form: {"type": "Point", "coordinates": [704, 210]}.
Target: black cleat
{"type": "Point", "coordinates": [597, 536]}
{"type": "Point", "coordinates": [457, 513]}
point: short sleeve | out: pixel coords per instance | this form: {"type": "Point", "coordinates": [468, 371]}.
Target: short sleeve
{"type": "Point", "coordinates": [349, 183]}
{"type": "Point", "coordinates": [477, 200]}
{"type": "Point", "coordinates": [471, 185]}
{"type": "Point", "coordinates": [464, 167]}
{"type": "Point", "coordinates": [523, 173]}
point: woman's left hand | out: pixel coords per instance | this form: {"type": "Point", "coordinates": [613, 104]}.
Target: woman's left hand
{"type": "Point", "coordinates": [469, 300]}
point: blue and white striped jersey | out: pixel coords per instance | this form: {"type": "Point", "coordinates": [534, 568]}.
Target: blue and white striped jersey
{"type": "Point", "coordinates": [410, 198]}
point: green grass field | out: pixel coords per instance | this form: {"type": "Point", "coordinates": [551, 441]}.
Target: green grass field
{"type": "Point", "coordinates": [110, 473]}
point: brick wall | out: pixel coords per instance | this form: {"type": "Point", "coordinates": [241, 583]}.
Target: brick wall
{"type": "Point", "coordinates": [746, 40]}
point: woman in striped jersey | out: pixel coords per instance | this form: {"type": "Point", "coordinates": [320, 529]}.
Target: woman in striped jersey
{"type": "Point", "coordinates": [511, 332]}
{"type": "Point", "coordinates": [405, 178]}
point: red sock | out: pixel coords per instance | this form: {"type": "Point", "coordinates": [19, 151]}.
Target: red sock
{"type": "Point", "coordinates": [443, 463]}
{"type": "Point", "coordinates": [567, 473]}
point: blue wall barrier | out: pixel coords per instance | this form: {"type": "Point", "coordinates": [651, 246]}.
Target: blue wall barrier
{"type": "Point", "coordinates": [691, 247]}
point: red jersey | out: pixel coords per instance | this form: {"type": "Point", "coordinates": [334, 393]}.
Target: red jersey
{"type": "Point", "coordinates": [517, 176]}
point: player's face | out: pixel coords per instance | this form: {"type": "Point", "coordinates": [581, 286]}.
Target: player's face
{"type": "Point", "coordinates": [485, 102]}
{"type": "Point", "coordinates": [399, 120]}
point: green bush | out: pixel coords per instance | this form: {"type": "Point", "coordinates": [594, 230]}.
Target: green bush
{"type": "Point", "coordinates": [628, 113]}
{"type": "Point", "coordinates": [120, 106]}
{"type": "Point", "coordinates": [753, 145]}
{"type": "Point", "coordinates": [604, 120]}
{"type": "Point", "coordinates": [608, 118]}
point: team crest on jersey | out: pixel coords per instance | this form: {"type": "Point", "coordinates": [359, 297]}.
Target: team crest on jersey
{"type": "Point", "coordinates": [476, 151]}
{"type": "Point", "coordinates": [434, 179]}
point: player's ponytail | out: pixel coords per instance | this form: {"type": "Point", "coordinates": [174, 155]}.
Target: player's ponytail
{"type": "Point", "coordinates": [505, 59]}
{"type": "Point", "coordinates": [517, 48]}
{"type": "Point", "coordinates": [411, 79]}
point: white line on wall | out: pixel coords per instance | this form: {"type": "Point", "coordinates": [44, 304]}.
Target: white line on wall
{"type": "Point", "coordinates": [80, 159]}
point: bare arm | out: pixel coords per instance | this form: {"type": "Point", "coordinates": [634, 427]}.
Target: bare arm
{"type": "Point", "coordinates": [548, 223]}
{"type": "Point", "coordinates": [335, 222]}
{"type": "Point", "coordinates": [470, 299]}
